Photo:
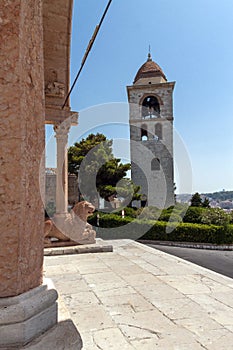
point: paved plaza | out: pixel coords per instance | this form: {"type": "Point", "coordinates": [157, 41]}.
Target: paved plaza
{"type": "Point", "coordinates": [140, 298]}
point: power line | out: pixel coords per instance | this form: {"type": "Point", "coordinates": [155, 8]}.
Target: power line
{"type": "Point", "coordinates": [91, 42]}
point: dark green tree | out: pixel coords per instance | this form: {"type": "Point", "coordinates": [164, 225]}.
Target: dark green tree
{"type": "Point", "coordinates": [196, 200]}
{"type": "Point", "coordinates": [78, 152]}
{"type": "Point", "coordinates": [93, 161]}
{"type": "Point", "coordinates": [206, 203]}
{"type": "Point", "coordinates": [175, 188]}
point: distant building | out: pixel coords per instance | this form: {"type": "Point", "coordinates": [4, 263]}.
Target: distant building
{"type": "Point", "coordinates": [214, 204]}
{"type": "Point", "coordinates": [226, 204]}
{"type": "Point", "coordinates": [50, 187]}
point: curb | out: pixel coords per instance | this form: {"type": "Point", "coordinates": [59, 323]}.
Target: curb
{"type": "Point", "coordinates": [208, 246]}
{"type": "Point", "coordinates": [99, 247]}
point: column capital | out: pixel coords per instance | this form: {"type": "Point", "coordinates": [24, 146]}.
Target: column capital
{"type": "Point", "coordinates": [62, 129]}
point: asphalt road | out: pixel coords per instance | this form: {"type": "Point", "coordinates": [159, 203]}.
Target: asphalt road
{"type": "Point", "coordinates": [216, 260]}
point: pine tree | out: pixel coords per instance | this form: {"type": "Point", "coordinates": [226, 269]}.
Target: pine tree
{"type": "Point", "coordinates": [196, 200]}
{"type": "Point", "coordinates": [206, 203]}
{"type": "Point", "coordinates": [99, 172]}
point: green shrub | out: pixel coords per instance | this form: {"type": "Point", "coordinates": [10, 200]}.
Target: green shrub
{"type": "Point", "coordinates": [178, 207]}
{"type": "Point", "coordinates": [181, 209]}
{"type": "Point", "coordinates": [150, 213]}
{"type": "Point", "coordinates": [193, 215]}
{"type": "Point", "coordinates": [215, 216]}
{"type": "Point", "coordinates": [108, 220]}
{"type": "Point", "coordinates": [92, 219]}
{"type": "Point", "coordinates": [185, 232]}
{"type": "Point", "coordinates": [113, 226]}
{"type": "Point", "coordinates": [112, 220]}
{"type": "Point", "coordinates": [130, 212]}
{"type": "Point", "coordinates": [171, 217]}
{"type": "Point", "coordinates": [231, 217]}
{"type": "Point", "coordinates": [174, 213]}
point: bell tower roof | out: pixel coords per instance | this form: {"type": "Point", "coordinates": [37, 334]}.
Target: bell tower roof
{"type": "Point", "coordinates": [149, 70]}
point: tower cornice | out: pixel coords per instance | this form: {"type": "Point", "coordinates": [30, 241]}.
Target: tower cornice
{"type": "Point", "coordinates": [157, 85]}
{"type": "Point", "coordinates": [150, 87]}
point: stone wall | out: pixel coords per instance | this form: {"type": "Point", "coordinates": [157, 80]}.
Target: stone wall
{"type": "Point", "coordinates": [21, 145]}
{"type": "Point", "coordinates": [50, 189]}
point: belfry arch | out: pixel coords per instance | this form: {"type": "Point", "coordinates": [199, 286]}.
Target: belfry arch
{"type": "Point", "coordinates": [150, 107]}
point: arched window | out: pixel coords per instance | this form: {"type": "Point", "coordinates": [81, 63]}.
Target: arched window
{"type": "Point", "coordinates": [144, 134]}
{"type": "Point", "coordinates": [155, 164]}
{"type": "Point", "coordinates": [150, 107]}
{"type": "Point", "coordinates": [158, 131]}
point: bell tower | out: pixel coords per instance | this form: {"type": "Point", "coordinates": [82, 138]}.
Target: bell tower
{"type": "Point", "coordinates": [151, 135]}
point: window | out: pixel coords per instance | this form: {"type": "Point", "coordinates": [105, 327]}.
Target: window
{"type": "Point", "coordinates": [150, 107]}
{"type": "Point", "coordinates": [144, 134]}
{"type": "Point", "coordinates": [155, 164]}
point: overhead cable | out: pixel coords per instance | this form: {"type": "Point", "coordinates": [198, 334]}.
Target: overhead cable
{"type": "Point", "coordinates": [88, 49]}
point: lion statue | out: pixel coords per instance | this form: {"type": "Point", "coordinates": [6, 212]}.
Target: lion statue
{"type": "Point", "coordinates": [73, 227]}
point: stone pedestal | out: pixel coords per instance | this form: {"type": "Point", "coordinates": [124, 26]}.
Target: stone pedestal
{"type": "Point", "coordinates": [25, 317]}
{"type": "Point", "coordinates": [29, 321]}
{"type": "Point", "coordinates": [62, 336]}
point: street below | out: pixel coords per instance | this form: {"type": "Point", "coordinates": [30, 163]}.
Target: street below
{"type": "Point", "coordinates": [215, 260]}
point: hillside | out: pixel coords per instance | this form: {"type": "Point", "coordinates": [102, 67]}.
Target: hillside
{"type": "Point", "coordinates": [216, 196]}
{"type": "Point", "coordinates": [220, 196]}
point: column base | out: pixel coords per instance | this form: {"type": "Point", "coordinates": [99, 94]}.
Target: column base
{"type": "Point", "coordinates": [62, 336]}
{"type": "Point", "coordinates": [27, 316]}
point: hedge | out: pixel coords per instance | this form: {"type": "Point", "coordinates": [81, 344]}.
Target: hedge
{"type": "Point", "coordinates": [113, 227]}
{"type": "Point", "coordinates": [185, 232]}
{"type": "Point", "coordinates": [109, 220]}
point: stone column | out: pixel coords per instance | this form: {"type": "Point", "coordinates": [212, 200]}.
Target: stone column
{"type": "Point", "coordinates": [27, 307]}
{"type": "Point", "coordinates": [62, 131]}
{"type": "Point", "coordinates": [21, 146]}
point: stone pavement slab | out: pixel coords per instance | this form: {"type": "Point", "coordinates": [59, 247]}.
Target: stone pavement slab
{"type": "Point", "coordinates": [137, 297]}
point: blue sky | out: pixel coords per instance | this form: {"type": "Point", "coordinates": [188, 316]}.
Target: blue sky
{"type": "Point", "coordinates": [192, 41]}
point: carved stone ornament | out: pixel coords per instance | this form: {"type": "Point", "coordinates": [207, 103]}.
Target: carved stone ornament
{"type": "Point", "coordinates": [62, 129]}
{"type": "Point", "coordinates": [55, 89]}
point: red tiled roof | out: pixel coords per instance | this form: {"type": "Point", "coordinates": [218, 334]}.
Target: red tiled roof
{"type": "Point", "coordinates": [148, 70]}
